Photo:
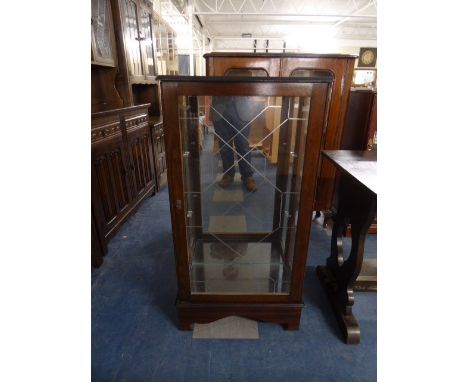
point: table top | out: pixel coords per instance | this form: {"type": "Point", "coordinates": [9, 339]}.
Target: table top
{"type": "Point", "coordinates": [361, 165]}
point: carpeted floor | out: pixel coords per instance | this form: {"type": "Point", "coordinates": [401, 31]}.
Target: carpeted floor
{"type": "Point", "coordinates": [134, 324]}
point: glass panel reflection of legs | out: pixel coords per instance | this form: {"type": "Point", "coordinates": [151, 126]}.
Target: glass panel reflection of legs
{"type": "Point", "coordinates": [242, 181]}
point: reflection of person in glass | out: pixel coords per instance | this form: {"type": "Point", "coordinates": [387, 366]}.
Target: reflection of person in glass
{"type": "Point", "coordinates": [232, 118]}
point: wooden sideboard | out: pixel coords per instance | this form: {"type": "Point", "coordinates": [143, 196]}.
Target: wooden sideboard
{"type": "Point", "coordinates": [341, 68]}
{"type": "Point", "coordinates": [122, 170]}
{"type": "Point", "coordinates": [130, 46]}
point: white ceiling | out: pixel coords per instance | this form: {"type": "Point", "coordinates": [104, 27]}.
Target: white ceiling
{"type": "Point", "coordinates": [286, 24]}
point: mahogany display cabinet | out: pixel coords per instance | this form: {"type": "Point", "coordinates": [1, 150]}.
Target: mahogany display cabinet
{"type": "Point", "coordinates": [241, 252]}
{"type": "Point", "coordinates": [339, 66]}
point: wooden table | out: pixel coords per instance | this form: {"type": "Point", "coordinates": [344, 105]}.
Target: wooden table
{"type": "Point", "coordinates": [355, 203]}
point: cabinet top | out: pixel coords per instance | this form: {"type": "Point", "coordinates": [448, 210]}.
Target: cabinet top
{"type": "Point", "coordinates": [363, 90]}
{"type": "Point", "coordinates": [279, 55]}
{"type": "Point", "coordinates": [123, 110]}
{"type": "Point", "coordinates": [360, 165]}
{"type": "Point", "coordinates": [328, 78]}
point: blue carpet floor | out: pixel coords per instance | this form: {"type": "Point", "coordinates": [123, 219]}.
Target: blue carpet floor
{"type": "Point", "coordinates": [134, 323]}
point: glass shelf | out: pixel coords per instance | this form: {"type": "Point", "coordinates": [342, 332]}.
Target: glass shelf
{"type": "Point", "coordinates": [239, 267]}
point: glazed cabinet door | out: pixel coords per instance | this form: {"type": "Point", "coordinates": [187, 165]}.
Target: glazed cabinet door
{"type": "Point", "coordinates": [109, 174]}
{"type": "Point", "coordinates": [173, 63]}
{"type": "Point", "coordinates": [102, 50]}
{"type": "Point", "coordinates": [140, 160]}
{"type": "Point", "coordinates": [148, 44]}
{"type": "Point", "coordinates": [241, 224]}
{"type": "Point", "coordinates": [162, 48]}
{"type": "Point", "coordinates": [133, 39]}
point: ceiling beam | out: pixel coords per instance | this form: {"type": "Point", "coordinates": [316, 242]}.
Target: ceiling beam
{"type": "Point", "coordinates": [282, 14]}
{"type": "Point", "coordinates": [229, 38]}
{"type": "Point", "coordinates": [280, 22]}
{"type": "Point", "coordinates": [355, 13]}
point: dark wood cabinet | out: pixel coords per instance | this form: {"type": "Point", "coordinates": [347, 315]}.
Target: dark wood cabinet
{"type": "Point", "coordinates": [104, 59]}
{"type": "Point", "coordinates": [239, 250]}
{"type": "Point", "coordinates": [361, 121]}
{"type": "Point", "coordinates": [340, 67]}
{"type": "Point", "coordinates": [110, 174]}
{"type": "Point", "coordinates": [122, 173]}
{"type": "Point", "coordinates": [128, 37]}
{"type": "Point", "coordinates": [143, 35]}
{"type": "Point", "coordinates": [130, 46]}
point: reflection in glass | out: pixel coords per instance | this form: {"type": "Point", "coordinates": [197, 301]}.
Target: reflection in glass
{"type": "Point", "coordinates": [241, 238]}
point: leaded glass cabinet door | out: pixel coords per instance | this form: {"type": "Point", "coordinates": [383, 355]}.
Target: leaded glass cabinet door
{"type": "Point", "coordinates": [101, 33]}
{"type": "Point", "coordinates": [147, 44]}
{"type": "Point", "coordinates": [163, 49]}
{"type": "Point", "coordinates": [173, 63]}
{"type": "Point", "coordinates": [241, 223]}
{"type": "Point", "coordinates": [133, 37]}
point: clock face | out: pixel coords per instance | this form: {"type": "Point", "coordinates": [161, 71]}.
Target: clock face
{"type": "Point", "coordinates": [367, 57]}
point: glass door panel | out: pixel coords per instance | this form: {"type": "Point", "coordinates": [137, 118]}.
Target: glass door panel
{"type": "Point", "coordinates": [101, 24]}
{"type": "Point", "coordinates": [172, 53]}
{"type": "Point", "coordinates": [133, 37]}
{"type": "Point", "coordinates": [242, 207]}
{"type": "Point", "coordinates": [147, 42]}
{"type": "Point", "coordinates": [163, 49]}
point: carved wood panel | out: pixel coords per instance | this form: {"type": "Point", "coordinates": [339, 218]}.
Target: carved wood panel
{"type": "Point", "coordinates": [122, 173]}
{"type": "Point", "coordinates": [140, 154]}
{"type": "Point", "coordinates": [110, 175]}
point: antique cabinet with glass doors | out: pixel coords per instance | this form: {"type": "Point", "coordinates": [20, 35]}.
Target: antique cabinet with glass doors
{"type": "Point", "coordinates": [241, 247]}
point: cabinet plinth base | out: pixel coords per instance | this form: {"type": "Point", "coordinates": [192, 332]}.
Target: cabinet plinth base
{"type": "Point", "coordinates": [202, 313]}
